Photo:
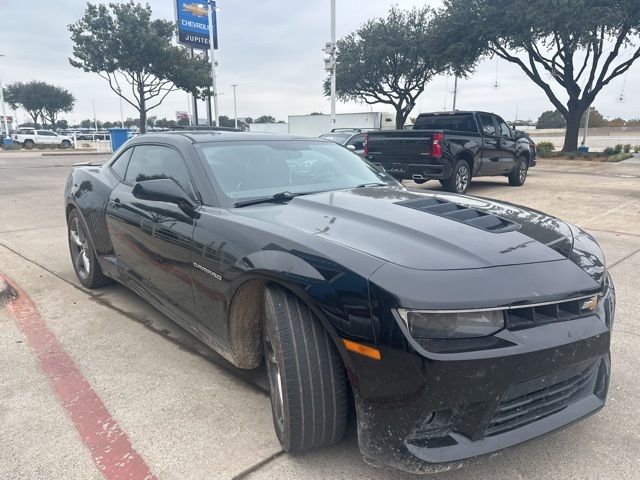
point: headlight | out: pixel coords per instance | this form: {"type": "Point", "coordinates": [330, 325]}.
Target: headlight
{"type": "Point", "coordinates": [443, 324]}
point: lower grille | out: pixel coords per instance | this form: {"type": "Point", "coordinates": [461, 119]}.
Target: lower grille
{"type": "Point", "coordinates": [518, 408]}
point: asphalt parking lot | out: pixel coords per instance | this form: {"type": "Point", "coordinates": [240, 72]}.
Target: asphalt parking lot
{"type": "Point", "coordinates": [179, 412]}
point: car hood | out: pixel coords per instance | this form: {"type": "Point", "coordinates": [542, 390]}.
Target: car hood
{"type": "Point", "coordinates": [423, 230]}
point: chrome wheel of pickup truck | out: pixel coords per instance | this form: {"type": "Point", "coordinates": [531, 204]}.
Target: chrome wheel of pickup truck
{"type": "Point", "coordinates": [460, 178]}
{"type": "Point", "coordinates": [519, 174]}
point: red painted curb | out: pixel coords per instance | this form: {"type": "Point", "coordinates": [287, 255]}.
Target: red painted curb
{"type": "Point", "coordinates": [109, 445]}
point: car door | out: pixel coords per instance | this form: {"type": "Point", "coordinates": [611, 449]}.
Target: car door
{"type": "Point", "coordinates": [152, 239]}
{"type": "Point", "coordinates": [46, 137]}
{"type": "Point", "coordinates": [490, 157]}
{"type": "Point", "coordinates": [507, 146]}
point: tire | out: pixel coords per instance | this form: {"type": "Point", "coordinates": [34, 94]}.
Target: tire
{"type": "Point", "coordinates": [307, 380]}
{"type": "Point", "coordinates": [83, 257]}
{"type": "Point", "coordinates": [460, 178]}
{"type": "Point", "coordinates": [519, 174]}
{"type": "Point", "coordinates": [442, 182]}
{"type": "Point", "coordinates": [28, 144]}
{"type": "Point", "coordinates": [65, 144]}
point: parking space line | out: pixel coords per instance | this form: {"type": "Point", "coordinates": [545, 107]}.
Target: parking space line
{"type": "Point", "coordinates": [109, 445]}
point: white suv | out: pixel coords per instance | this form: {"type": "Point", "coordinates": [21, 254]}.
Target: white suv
{"type": "Point", "coordinates": [29, 137]}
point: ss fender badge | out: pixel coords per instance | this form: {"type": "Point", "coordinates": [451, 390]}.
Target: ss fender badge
{"type": "Point", "coordinates": [206, 270]}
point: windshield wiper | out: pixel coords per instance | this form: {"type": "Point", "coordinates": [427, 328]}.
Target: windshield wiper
{"type": "Point", "coordinates": [278, 197]}
{"type": "Point", "coordinates": [373, 184]}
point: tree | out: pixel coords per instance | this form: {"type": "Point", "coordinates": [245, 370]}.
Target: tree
{"type": "Point", "coordinates": [62, 124]}
{"type": "Point", "coordinates": [225, 121]}
{"type": "Point", "coordinates": [57, 100]}
{"type": "Point", "coordinates": [616, 122]}
{"type": "Point", "coordinates": [123, 45]}
{"type": "Point", "coordinates": [164, 123]}
{"type": "Point", "coordinates": [388, 60]}
{"type": "Point", "coordinates": [571, 49]}
{"type": "Point", "coordinates": [551, 119]}
{"type": "Point", "coordinates": [31, 97]}
{"type": "Point", "coordinates": [596, 119]}
{"type": "Point", "coordinates": [264, 119]}
{"type": "Point", "coordinates": [86, 123]}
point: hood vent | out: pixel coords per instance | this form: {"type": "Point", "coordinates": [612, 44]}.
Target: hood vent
{"type": "Point", "coordinates": [469, 216]}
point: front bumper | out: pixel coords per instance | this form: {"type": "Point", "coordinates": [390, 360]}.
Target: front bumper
{"type": "Point", "coordinates": [439, 408]}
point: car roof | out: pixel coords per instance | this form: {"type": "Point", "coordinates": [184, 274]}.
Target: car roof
{"type": "Point", "coordinates": [204, 136]}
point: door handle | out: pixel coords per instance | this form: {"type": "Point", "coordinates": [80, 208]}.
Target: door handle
{"type": "Point", "coordinates": [115, 203]}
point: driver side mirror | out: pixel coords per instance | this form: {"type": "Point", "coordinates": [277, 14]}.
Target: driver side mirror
{"type": "Point", "coordinates": [351, 147]}
{"type": "Point", "coordinates": [165, 190]}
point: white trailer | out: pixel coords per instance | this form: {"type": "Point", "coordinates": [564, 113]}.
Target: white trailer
{"type": "Point", "coordinates": [269, 127]}
{"type": "Point", "coordinates": [316, 125]}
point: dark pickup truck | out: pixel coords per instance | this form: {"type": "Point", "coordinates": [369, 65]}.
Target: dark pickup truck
{"type": "Point", "coordinates": [453, 147]}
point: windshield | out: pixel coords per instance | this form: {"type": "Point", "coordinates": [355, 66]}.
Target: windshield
{"type": "Point", "coordinates": [251, 169]}
{"type": "Point", "coordinates": [463, 122]}
{"type": "Point", "coordinates": [336, 137]}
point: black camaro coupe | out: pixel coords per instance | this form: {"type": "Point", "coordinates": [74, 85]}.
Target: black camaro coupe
{"type": "Point", "coordinates": [461, 325]}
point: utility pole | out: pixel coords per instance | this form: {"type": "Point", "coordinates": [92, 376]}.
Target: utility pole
{"type": "Point", "coordinates": [95, 121]}
{"type": "Point", "coordinates": [4, 112]}
{"type": "Point", "coordinates": [212, 9]}
{"type": "Point", "coordinates": [235, 106]}
{"type": "Point", "coordinates": [333, 57]}
{"type": "Point", "coordinates": [455, 92]}
{"type": "Point", "coordinates": [121, 115]}
{"type": "Point", "coordinates": [586, 127]}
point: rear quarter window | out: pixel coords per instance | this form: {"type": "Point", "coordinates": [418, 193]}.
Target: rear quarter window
{"type": "Point", "coordinates": [119, 165]}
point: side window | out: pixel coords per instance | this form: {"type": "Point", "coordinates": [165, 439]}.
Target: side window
{"type": "Point", "coordinates": [357, 142]}
{"type": "Point", "coordinates": [45, 133]}
{"type": "Point", "coordinates": [505, 131]}
{"type": "Point", "coordinates": [152, 162]}
{"type": "Point", "coordinates": [488, 127]}
{"type": "Point", "coordinates": [119, 166]}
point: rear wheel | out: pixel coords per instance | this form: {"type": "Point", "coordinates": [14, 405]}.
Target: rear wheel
{"type": "Point", "coordinates": [519, 174]}
{"type": "Point", "coordinates": [65, 144]}
{"type": "Point", "coordinates": [307, 380]}
{"type": "Point", "coordinates": [460, 178]}
{"type": "Point", "coordinates": [28, 144]}
{"type": "Point", "coordinates": [85, 263]}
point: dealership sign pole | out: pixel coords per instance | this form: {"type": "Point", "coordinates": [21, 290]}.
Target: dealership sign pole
{"type": "Point", "coordinates": [194, 21]}
{"type": "Point", "coordinates": [212, 46]}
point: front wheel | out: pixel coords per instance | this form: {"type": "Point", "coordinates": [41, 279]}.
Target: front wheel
{"type": "Point", "coordinates": [460, 178]}
{"type": "Point", "coordinates": [519, 174]}
{"type": "Point", "coordinates": [28, 144]}
{"type": "Point", "coordinates": [307, 380]}
{"type": "Point", "coordinates": [66, 144]}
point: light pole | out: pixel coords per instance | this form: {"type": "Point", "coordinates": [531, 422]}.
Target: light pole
{"type": "Point", "coordinates": [212, 9]}
{"type": "Point", "coordinates": [455, 92]}
{"type": "Point", "coordinates": [4, 112]}
{"type": "Point", "coordinates": [330, 62]}
{"type": "Point", "coordinates": [333, 70]}
{"type": "Point", "coordinates": [121, 115]}
{"type": "Point", "coordinates": [586, 128]}
{"type": "Point", "coordinates": [235, 106]}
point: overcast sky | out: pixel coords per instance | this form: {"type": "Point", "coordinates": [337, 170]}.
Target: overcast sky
{"type": "Point", "coordinates": [272, 49]}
